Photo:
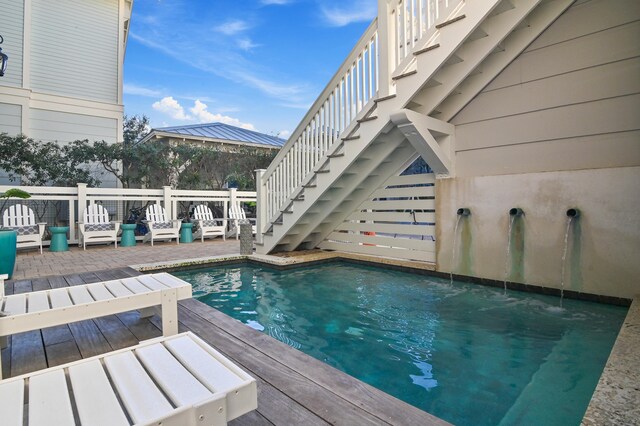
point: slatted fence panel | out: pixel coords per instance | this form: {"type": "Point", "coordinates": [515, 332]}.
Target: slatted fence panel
{"type": "Point", "coordinates": [398, 221]}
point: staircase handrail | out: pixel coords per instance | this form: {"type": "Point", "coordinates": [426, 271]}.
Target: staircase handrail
{"type": "Point", "coordinates": [329, 88]}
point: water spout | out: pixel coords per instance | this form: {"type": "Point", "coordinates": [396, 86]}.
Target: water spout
{"type": "Point", "coordinates": [574, 213]}
{"type": "Point", "coordinates": [462, 212]}
{"type": "Point", "coordinates": [571, 215]}
{"type": "Point", "coordinates": [506, 261]}
{"type": "Point", "coordinates": [516, 211]}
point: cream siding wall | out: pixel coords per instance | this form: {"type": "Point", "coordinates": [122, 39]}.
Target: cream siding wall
{"type": "Point", "coordinates": [10, 119]}
{"type": "Point", "coordinates": [67, 127]}
{"type": "Point", "coordinates": [569, 102]}
{"type": "Point", "coordinates": [12, 16]}
{"type": "Point", "coordinates": [74, 48]}
{"type": "Point", "coordinates": [558, 128]}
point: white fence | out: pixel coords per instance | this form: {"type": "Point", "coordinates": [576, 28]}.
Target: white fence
{"type": "Point", "coordinates": [64, 205]}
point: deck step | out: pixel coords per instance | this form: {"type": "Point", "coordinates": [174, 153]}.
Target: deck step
{"type": "Point", "coordinates": [451, 21]}
{"type": "Point", "coordinates": [426, 49]}
{"type": "Point", "coordinates": [351, 138]}
{"type": "Point", "coordinates": [406, 74]}
{"type": "Point", "coordinates": [370, 118]}
{"type": "Point", "coordinates": [385, 98]}
{"type": "Point", "coordinates": [309, 185]}
{"type": "Point", "coordinates": [323, 171]}
{"type": "Point", "coordinates": [341, 154]}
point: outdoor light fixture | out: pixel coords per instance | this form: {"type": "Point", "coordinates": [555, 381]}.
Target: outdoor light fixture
{"type": "Point", "coordinates": [3, 60]}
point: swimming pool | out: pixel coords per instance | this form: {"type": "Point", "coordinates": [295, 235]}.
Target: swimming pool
{"type": "Point", "coordinates": [469, 354]}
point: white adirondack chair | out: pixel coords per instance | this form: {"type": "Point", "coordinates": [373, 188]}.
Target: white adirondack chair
{"type": "Point", "coordinates": [96, 227]}
{"type": "Point", "coordinates": [208, 226]}
{"type": "Point", "coordinates": [236, 214]}
{"type": "Point", "coordinates": [21, 218]}
{"type": "Point", "coordinates": [160, 226]}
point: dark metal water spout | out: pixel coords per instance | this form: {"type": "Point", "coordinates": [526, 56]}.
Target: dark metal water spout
{"type": "Point", "coordinates": [516, 211]}
{"type": "Point", "coordinates": [463, 211]}
{"type": "Point", "coordinates": [573, 212]}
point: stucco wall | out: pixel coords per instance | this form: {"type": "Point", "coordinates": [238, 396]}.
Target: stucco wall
{"type": "Point", "coordinates": [558, 128]}
{"type": "Point", "coordinates": [604, 242]}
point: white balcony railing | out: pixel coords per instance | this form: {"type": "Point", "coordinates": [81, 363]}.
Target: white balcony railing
{"type": "Point", "coordinates": [385, 46]}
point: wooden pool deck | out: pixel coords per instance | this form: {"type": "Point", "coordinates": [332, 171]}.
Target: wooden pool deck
{"type": "Point", "coordinates": [293, 388]}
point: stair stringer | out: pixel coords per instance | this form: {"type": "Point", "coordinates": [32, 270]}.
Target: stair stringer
{"type": "Point", "coordinates": [324, 224]}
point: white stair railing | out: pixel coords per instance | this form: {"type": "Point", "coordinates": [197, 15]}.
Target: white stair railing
{"type": "Point", "coordinates": [366, 72]}
{"type": "Point", "coordinates": [414, 20]}
{"type": "Point", "coordinates": [355, 83]}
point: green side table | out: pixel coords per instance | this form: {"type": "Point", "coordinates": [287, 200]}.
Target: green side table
{"type": "Point", "coordinates": [186, 233]}
{"type": "Point", "coordinates": [128, 238]}
{"type": "Point", "coordinates": [59, 238]}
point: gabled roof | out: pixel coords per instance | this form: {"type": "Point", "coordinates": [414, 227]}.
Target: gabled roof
{"type": "Point", "coordinates": [219, 131]}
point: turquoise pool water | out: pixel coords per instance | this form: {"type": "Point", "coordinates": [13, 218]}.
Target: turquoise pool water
{"type": "Point", "coordinates": [466, 353]}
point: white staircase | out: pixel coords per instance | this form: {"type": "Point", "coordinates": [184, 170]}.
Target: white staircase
{"type": "Point", "coordinates": [416, 66]}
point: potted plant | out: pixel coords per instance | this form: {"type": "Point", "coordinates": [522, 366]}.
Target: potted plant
{"type": "Point", "coordinates": [9, 237]}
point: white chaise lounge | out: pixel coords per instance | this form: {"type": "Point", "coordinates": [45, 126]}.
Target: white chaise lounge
{"type": "Point", "coordinates": [169, 381]}
{"type": "Point", "coordinates": [236, 214]}
{"type": "Point", "coordinates": [21, 218]}
{"type": "Point", "coordinates": [160, 226]}
{"type": "Point", "coordinates": [208, 226]}
{"type": "Point", "coordinates": [96, 227]}
{"type": "Point", "coordinates": [40, 309]}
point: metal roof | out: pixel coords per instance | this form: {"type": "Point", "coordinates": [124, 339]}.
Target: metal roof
{"type": "Point", "coordinates": [224, 132]}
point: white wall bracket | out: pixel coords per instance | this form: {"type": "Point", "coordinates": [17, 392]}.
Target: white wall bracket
{"type": "Point", "coordinates": [432, 138]}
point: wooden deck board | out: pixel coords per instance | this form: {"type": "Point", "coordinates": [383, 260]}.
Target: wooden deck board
{"type": "Point", "coordinates": [293, 388]}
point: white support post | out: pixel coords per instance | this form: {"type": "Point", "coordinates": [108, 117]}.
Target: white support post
{"type": "Point", "coordinates": [82, 204]}
{"type": "Point", "coordinates": [386, 46]}
{"type": "Point", "coordinates": [168, 205]}
{"type": "Point", "coordinates": [82, 198]}
{"type": "Point", "coordinates": [261, 205]}
{"type": "Point", "coordinates": [232, 196]}
{"type": "Point", "coordinates": [169, 312]}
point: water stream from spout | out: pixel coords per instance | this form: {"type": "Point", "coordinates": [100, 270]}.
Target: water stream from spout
{"type": "Point", "coordinates": [564, 257]}
{"type": "Point", "coordinates": [453, 249]}
{"type": "Point", "coordinates": [506, 262]}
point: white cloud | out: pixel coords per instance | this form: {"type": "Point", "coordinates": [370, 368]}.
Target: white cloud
{"type": "Point", "coordinates": [199, 113]}
{"type": "Point", "coordinates": [232, 27]}
{"type": "Point", "coordinates": [172, 108]}
{"type": "Point", "coordinates": [284, 134]}
{"type": "Point", "coordinates": [246, 43]}
{"type": "Point", "coordinates": [203, 115]}
{"type": "Point", "coordinates": [133, 89]}
{"type": "Point", "coordinates": [340, 14]}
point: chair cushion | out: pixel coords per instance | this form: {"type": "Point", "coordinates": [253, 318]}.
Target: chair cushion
{"type": "Point", "coordinates": [26, 230]}
{"type": "Point", "coordinates": [210, 223]}
{"type": "Point", "coordinates": [162, 225]}
{"type": "Point", "coordinates": [99, 227]}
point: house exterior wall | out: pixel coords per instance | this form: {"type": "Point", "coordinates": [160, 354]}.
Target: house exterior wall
{"type": "Point", "coordinates": [65, 63]}
{"type": "Point", "coordinates": [558, 128]}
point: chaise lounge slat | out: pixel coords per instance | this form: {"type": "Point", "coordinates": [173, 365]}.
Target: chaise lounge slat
{"type": "Point", "coordinates": [60, 298]}
{"type": "Point", "coordinates": [79, 294]}
{"type": "Point", "coordinates": [99, 292]}
{"type": "Point", "coordinates": [12, 397]}
{"type": "Point", "coordinates": [38, 302]}
{"type": "Point", "coordinates": [87, 380]}
{"type": "Point", "coordinates": [16, 304]}
{"type": "Point", "coordinates": [141, 397]}
{"type": "Point", "coordinates": [217, 374]}
{"type": "Point", "coordinates": [49, 402]}
{"type": "Point", "coordinates": [118, 289]}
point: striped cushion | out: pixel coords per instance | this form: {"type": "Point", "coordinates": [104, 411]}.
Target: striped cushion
{"type": "Point", "coordinates": [26, 230]}
{"type": "Point", "coordinates": [210, 223]}
{"type": "Point", "coordinates": [163, 225]}
{"type": "Point", "coordinates": [99, 227]}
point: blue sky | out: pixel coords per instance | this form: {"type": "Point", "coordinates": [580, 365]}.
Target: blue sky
{"type": "Point", "coordinates": [257, 64]}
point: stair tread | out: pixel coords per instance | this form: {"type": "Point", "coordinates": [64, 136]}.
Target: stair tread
{"type": "Point", "coordinates": [426, 49]}
{"type": "Point", "coordinates": [406, 74]}
{"type": "Point", "coordinates": [336, 155]}
{"type": "Point", "coordinates": [370, 118]}
{"type": "Point", "coordinates": [451, 21]}
{"type": "Point", "coordinates": [351, 138]}
{"type": "Point", "coordinates": [385, 98]}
